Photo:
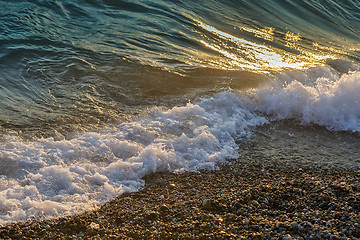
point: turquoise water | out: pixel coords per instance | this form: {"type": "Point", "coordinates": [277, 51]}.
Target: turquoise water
{"type": "Point", "coordinates": [96, 94]}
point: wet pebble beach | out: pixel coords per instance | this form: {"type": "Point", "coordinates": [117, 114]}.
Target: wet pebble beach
{"type": "Point", "coordinates": [248, 199]}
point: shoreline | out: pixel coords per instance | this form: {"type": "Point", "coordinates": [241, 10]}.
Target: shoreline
{"type": "Point", "coordinates": [247, 199]}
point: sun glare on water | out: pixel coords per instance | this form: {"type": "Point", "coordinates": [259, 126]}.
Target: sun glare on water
{"type": "Point", "coordinates": [238, 53]}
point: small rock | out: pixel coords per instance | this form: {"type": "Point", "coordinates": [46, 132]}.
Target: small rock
{"type": "Point", "coordinates": [119, 220]}
{"type": "Point", "coordinates": [287, 237]}
{"type": "Point", "coordinates": [246, 221]}
{"type": "Point", "coordinates": [42, 232]}
{"type": "Point", "coordinates": [255, 227]}
{"type": "Point", "coordinates": [324, 205]}
{"type": "Point", "coordinates": [151, 216]}
{"type": "Point", "coordinates": [294, 225]}
{"type": "Point", "coordinates": [235, 205]}
{"type": "Point", "coordinates": [254, 203]}
{"type": "Point", "coordinates": [94, 226]}
{"type": "Point", "coordinates": [206, 204]}
{"type": "Point", "coordinates": [164, 209]}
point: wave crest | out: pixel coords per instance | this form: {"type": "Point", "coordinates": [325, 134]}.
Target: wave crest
{"type": "Point", "coordinates": [332, 101]}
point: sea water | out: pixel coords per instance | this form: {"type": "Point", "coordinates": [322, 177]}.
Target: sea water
{"type": "Point", "coordinates": [94, 95]}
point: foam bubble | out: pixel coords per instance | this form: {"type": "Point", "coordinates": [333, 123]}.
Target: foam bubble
{"type": "Point", "coordinates": [67, 176]}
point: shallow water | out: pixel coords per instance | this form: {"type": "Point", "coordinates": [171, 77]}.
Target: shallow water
{"type": "Point", "coordinates": [96, 94]}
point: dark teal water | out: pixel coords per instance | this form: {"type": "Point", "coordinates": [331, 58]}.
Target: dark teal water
{"type": "Point", "coordinates": [95, 94]}
{"type": "Point", "coordinates": [89, 61]}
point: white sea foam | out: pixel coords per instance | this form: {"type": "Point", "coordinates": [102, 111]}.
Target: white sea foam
{"type": "Point", "coordinates": [50, 178]}
{"type": "Point", "coordinates": [320, 97]}
{"type": "Point", "coordinates": [47, 178]}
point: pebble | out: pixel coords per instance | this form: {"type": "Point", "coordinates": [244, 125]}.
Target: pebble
{"type": "Point", "coordinates": [246, 221]}
{"type": "Point", "coordinates": [93, 225]}
{"type": "Point", "coordinates": [287, 237]}
{"type": "Point", "coordinates": [164, 209]}
{"type": "Point", "coordinates": [247, 205]}
{"type": "Point", "coordinates": [206, 204]}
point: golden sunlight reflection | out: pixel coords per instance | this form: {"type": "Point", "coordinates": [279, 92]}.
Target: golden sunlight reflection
{"type": "Point", "coordinates": [238, 53]}
{"type": "Point", "coordinates": [264, 33]}
{"type": "Point", "coordinates": [292, 39]}
{"type": "Point", "coordinates": [317, 46]}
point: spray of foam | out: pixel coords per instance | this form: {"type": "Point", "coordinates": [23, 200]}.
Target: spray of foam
{"type": "Point", "coordinates": [331, 100]}
{"type": "Point", "coordinates": [50, 178]}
